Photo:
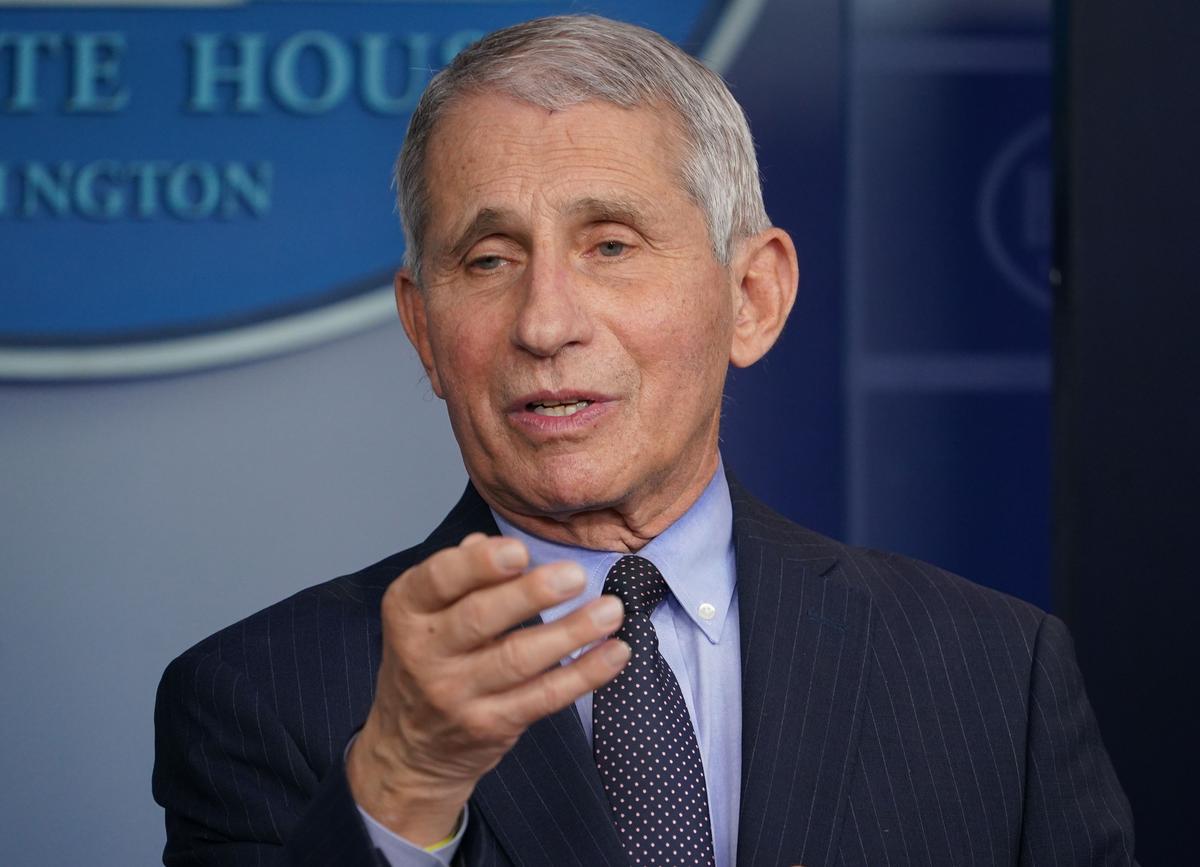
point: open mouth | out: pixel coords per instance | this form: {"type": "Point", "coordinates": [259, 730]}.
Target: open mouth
{"type": "Point", "coordinates": [557, 408]}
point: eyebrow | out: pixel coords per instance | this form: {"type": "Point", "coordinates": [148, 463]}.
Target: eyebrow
{"type": "Point", "coordinates": [489, 221]}
{"type": "Point", "coordinates": [598, 210]}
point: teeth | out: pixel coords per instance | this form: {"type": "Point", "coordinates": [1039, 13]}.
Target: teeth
{"type": "Point", "coordinates": [559, 409]}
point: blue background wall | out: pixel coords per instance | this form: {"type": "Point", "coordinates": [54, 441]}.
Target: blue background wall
{"type": "Point", "coordinates": [904, 145]}
{"type": "Point", "coordinates": [909, 401]}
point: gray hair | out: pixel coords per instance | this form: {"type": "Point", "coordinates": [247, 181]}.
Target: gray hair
{"type": "Point", "coordinates": [561, 61]}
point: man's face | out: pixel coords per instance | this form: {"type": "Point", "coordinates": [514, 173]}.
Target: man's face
{"type": "Point", "coordinates": [573, 315]}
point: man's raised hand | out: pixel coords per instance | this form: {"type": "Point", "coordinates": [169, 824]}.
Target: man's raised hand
{"type": "Point", "coordinates": [456, 687]}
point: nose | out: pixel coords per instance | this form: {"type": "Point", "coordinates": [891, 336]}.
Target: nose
{"type": "Point", "coordinates": [552, 312]}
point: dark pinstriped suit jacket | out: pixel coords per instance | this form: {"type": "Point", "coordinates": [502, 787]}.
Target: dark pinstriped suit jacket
{"type": "Point", "coordinates": [892, 714]}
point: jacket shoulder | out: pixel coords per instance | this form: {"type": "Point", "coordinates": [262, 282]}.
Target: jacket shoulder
{"type": "Point", "coordinates": [929, 598]}
{"type": "Point", "coordinates": [347, 604]}
{"type": "Point", "coordinates": [916, 596]}
{"type": "Point", "coordinates": [318, 617]}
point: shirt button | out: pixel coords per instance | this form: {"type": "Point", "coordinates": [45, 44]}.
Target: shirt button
{"type": "Point", "coordinates": [707, 611]}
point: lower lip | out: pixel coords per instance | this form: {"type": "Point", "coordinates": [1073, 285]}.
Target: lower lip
{"type": "Point", "coordinates": [533, 422]}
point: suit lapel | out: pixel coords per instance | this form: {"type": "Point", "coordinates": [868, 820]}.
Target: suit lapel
{"type": "Point", "coordinates": [544, 802]}
{"type": "Point", "coordinates": [804, 636]}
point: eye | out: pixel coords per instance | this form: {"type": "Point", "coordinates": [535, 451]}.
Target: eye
{"type": "Point", "coordinates": [611, 249]}
{"type": "Point", "coordinates": [486, 263]}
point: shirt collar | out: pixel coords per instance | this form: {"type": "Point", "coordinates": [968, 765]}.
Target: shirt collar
{"type": "Point", "coordinates": [694, 555]}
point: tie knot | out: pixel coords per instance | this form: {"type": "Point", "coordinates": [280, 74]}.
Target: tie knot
{"type": "Point", "coordinates": [638, 583]}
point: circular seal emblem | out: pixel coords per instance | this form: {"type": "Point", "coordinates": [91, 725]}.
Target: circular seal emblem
{"type": "Point", "coordinates": [1015, 217]}
{"type": "Point", "coordinates": [193, 183]}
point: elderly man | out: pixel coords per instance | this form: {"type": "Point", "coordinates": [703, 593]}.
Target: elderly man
{"type": "Point", "coordinates": [608, 652]}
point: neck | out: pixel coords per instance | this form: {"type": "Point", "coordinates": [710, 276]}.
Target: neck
{"type": "Point", "coordinates": [624, 528]}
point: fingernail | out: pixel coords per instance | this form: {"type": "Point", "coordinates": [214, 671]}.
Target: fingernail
{"type": "Point", "coordinates": [567, 578]}
{"type": "Point", "coordinates": [510, 556]}
{"type": "Point", "coordinates": [606, 611]}
{"type": "Point", "coordinates": [616, 653]}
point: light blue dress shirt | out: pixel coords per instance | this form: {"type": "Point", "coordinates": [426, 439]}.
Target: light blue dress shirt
{"type": "Point", "coordinates": [698, 636]}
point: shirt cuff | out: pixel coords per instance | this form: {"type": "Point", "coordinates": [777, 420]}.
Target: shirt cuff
{"type": "Point", "coordinates": [401, 853]}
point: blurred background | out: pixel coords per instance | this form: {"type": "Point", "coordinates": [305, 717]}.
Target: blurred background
{"type": "Point", "coordinates": [206, 403]}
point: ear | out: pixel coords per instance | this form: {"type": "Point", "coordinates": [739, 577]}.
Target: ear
{"type": "Point", "coordinates": [768, 274]}
{"type": "Point", "coordinates": [410, 304]}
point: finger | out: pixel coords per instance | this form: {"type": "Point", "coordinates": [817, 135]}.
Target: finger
{"type": "Point", "coordinates": [451, 573]}
{"type": "Point", "coordinates": [527, 653]}
{"type": "Point", "coordinates": [562, 685]}
{"type": "Point", "coordinates": [480, 617]}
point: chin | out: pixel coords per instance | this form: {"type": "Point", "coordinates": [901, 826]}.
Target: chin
{"type": "Point", "coordinates": [568, 487]}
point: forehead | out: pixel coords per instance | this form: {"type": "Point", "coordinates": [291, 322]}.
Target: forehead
{"type": "Point", "coordinates": [492, 151]}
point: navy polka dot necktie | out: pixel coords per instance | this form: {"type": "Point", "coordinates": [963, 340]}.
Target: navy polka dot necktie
{"type": "Point", "coordinates": [643, 741]}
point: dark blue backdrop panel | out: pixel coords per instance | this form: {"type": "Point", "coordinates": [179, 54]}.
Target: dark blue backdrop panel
{"type": "Point", "coordinates": [962, 478]}
{"type": "Point", "coordinates": [907, 405]}
{"type": "Point", "coordinates": [954, 228]}
{"type": "Point", "coordinates": [782, 425]}
{"type": "Point", "coordinates": [947, 296]}
{"type": "Point", "coordinates": [948, 369]}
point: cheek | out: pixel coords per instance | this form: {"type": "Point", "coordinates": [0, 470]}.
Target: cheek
{"type": "Point", "coordinates": [686, 347]}
{"type": "Point", "coordinates": [462, 348]}
{"type": "Point", "coordinates": [701, 319]}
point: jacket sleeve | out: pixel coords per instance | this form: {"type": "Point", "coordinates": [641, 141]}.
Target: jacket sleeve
{"type": "Point", "coordinates": [1075, 811]}
{"type": "Point", "coordinates": [236, 787]}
